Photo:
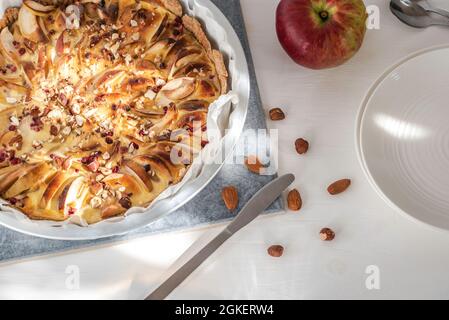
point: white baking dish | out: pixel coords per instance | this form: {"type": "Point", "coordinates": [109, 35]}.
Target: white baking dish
{"type": "Point", "coordinates": [224, 37]}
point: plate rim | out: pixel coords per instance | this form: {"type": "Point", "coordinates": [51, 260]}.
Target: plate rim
{"type": "Point", "coordinates": [358, 131]}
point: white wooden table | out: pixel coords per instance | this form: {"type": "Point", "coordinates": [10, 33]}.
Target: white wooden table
{"type": "Point", "coordinates": [321, 106]}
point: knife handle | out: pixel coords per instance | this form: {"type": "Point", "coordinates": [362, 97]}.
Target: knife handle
{"type": "Point", "coordinates": [182, 273]}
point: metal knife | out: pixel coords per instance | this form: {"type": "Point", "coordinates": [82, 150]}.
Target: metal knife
{"type": "Point", "coordinates": [255, 206]}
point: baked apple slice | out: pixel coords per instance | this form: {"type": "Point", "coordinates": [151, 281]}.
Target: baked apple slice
{"type": "Point", "coordinates": [193, 105]}
{"type": "Point", "coordinates": [159, 50]}
{"type": "Point", "coordinates": [175, 90]}
{"type": "Point", "coordinates": [156, 168]}
{"type": "Point", "coordinates": [7, 170]}
{"type": "Point", "coordinates": [9, 179]}
{"type": "Point", "coordinates": [37, 8]}
{"type": "Point", "coordinates": [29, 27]}
{"type": "Point", "coordinates": [139, 171]}
{"type": "Point", "coordinates": [7, 44]}
{"type": "Point", "coordinates": [55, 23]}
{"type": "Point", "coordinates": [29, 181]}
{"type": "Point", "coordinates": [72, 196]}
{"type": "Point", "coordinates": [112, 210]}
{"type": "Point", "coordinates": [55, 184]}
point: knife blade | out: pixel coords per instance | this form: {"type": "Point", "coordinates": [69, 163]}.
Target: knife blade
{"type": "Point", "coordinates": [255, 206]}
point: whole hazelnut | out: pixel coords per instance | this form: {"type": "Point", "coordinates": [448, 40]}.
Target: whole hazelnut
{"type": "Point", "coordinates": [327, 234]}
{"type": "Point", "coordinates": [275, 251]}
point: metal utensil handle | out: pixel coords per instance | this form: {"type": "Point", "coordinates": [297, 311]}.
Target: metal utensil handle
{"type": "Point", "coordinates": [441, 15]}
{"type": "Point", "coordinates": [259, 202]}
{"type": "Point", "coordinates": [182, 273]}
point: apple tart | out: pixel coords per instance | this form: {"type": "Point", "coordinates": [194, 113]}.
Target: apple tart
{"type": "Point", "coordinates": [95, 99]}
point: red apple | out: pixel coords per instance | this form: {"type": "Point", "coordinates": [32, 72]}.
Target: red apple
{"type": "Point", "coordinates": [321, 34]}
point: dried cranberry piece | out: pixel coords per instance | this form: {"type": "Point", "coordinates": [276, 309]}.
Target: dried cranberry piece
{"type": "Point", "coordinates": [63, 99]}
{"type": "Point", "coordinates": [125, 202]}
{"type": "Point", "coordinates": [36, 124]}
{"type": "Point", "coordinates": [15, 161]}
{"type": "Point", "coordinates": [123, 149]}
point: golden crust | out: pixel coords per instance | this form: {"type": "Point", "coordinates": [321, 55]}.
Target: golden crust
{"type": "Point", "coordinates": [9, 17]}
{"type": "Point", "coordinates": [194, 26]}
{"type": "Point", "coordinates": [221, 70]}
{"type": "Point", "coordinates": [98, 126]}
{"type": "Point", "coordinates": [173, 6]}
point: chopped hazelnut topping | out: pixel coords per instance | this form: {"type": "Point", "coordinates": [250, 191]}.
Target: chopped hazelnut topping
{"type": "Point", "coordinates": [93, 166]}
{"type": "Point", "coordinates": [79, 120]}
{"type": "Point", "coordinates": [76, 109]}
{"type": "Point", "coordinates": [135, 36]}
{"type": "Point", "coordinates": [11, 100]}
{"type": "Point", "coordinates": [105, 171]}
{"type": "Point", "coordinates": [95, 202]}
{"type": "Point", "coordinates": [150, 94]}
{"type": "Point", "coordinates": [37, 144]}
{"type": "Point", "coordinates": [14, 121]}
{"type": "Point", "coordinates": [66, 131]}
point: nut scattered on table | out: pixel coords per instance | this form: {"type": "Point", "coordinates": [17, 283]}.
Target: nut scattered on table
{"type": "Point", "coordinates": [230, 197]}
{"type": "Point", "coordinates": [301, 145]}
{"type": "Point", "coordinates": [276, 251]}
{"type": "Point", "coordinates": [327, 234]}
{"type": "Point", "coordinates": [253, 164]}
{"type": "Point", "coordinates": [339, 186]}
{"type": "Point", "coordinates": [277, 114]}
{"type": "Point", "coordinates": [294, 201]}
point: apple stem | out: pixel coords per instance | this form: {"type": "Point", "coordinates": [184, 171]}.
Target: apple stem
{"type": "Point", "coordinates": [324, 15]}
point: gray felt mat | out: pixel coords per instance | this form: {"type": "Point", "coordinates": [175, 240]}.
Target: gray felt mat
{"type": "Point", "coordinates": [204, 209]}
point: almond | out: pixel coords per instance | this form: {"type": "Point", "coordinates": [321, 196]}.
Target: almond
{"type": "Point", "coordinates": [253, 164]}
{"type": "Point", "coordinates": [276, 114]}
{"type": "Point", "coordinates": [276, 251]}
{"type": "Point", "coordinates": [301, 146]}
{"type": "Point", "coordinates": [294, 200]}
{"type": "Point", "coordinates": [327, 234]}
{"type": "Point", "coordinates": [230, 197]}
{"type": "Point", "coordinates": [339, 186]}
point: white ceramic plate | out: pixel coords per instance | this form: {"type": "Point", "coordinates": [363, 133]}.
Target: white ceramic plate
{"type": "Point", "coordinates": [403, 136]}
{"type": "Point", "coordinates": [223, 35]}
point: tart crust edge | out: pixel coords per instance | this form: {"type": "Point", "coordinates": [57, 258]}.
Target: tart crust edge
{"type": "Point", "coordinates": [195, 27]}
{"type": "Point", "coordinates": [10, 16]}
{"type": "Point", "coordinates": [173, 6]}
